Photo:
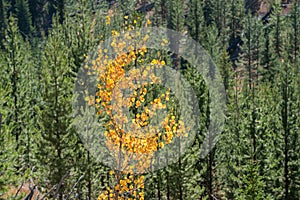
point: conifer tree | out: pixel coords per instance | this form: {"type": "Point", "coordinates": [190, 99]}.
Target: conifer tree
{"type": "Point", "coordinates": [289, 118]}
{"type": "Point", "coordinates": [235, 17]}
{"type": "Point", "coordinates": [252, 64]}
{"type": "Point", "coordinates": [16, 53]}
{"type": "Point", "coordinates": [277, 30]}
{"type": "Point", "coordinates": [269, 67]}
{"type": "Point", "coordinates": [19, 125]}
{"type": "Point", "coordinates": [161, 10]}
{"type": "Point", "coordinates": [60, 5]}
{"type": "Point", "coordinates": [294, 42]}
{"type": "Point", "coordinates": [176, 23]}
{"type": "Point", "coordinates": [222, 9]}
{"type": "Point", "coordinates": [54, 116]}
{"type": "Point", "coordinates": [195, 21]}
{"type": "Point", "coordinates": [24, 17]}
{"type": "Point", "coordinates": [34, 11]}
{"type": "Point", "coordinates": [83, 37]}
{"type": "Point", "coordinates": [2, 22]}
{"type": "Point", "coordinates": [208, 11]}
{"type": "Point", "coordinates": [273, 43]}
{"type": "Point", "coordinates": [229, 151]}
{"type": "Point", "coordinates": [6, 164]}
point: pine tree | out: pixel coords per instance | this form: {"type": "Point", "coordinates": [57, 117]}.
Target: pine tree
{"type": "Point", "coordinates": [289, 118]}
{"type": "Point", "coordinates": [176, 23]}
{"type": "Point", "coordinates": [176, 15]}
{"type": "Point", "coordinates": [294, 34]}
{"type": "Point", "coordinates": [251, 55]}
{"type": "Point", "coordinates": [19, 125]}
{"type": "Point", "coordinates": [195, 21]}
{"type": "Point", "coordinates": [204, 166]}
{"type": "Point", "coordinates": [81, 38]}
{"type": "Point", "coordinates": [4, 130]}
{"type": "Point", "coordinates": [35, 13]}
{"type": "Point", "coordinates": [225, 69]}
{"type": "Point", "coordinates": [221, 11]}
{"type": "Point", "coordinates": [269, 67]}
{"type": "Point", "coordinates": [212, 46]}
{"type": "Point", "coordinates": [277, 31]}
{"type": "Point", "coordinates": [24, 17]}
{"type": "Point", "coordinates": [161, 11]}
{"type": "Point", "coordinates": [2, 22]}
{"type": "Point", "coordinates": [243, 178]}
{"type": "Point", "coordinates": [54, 116]}
{"type": "Point", "coordinates": [16, 51]}
{"type": "Point", "coordinates": [208, 11]}
{"type": "Point", "coordinates": [235, 17]}
{"type": "Point", "coordinates": [273, 43]}
{"type": "Point", "coordinates": [229, 151]}
{"type": "Point", "coordinates": [251, 50]}
{"type": "Point", "coordinates": [60, 5]}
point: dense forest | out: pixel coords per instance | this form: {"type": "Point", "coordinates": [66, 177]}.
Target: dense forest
{"type": "Point", "coordinates": [255, 45]}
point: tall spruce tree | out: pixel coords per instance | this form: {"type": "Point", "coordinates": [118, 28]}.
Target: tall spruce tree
{"type": "Point", "coordinates": [16, 53]}
{"type": "Point", "coordinates": [176, 23]}
{"type": "Point", "coordinates": [289, 105]}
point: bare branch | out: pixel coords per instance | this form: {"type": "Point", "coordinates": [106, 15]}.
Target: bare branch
{"type": "Point", "coordinates": [48, 192]}
{"type": "Point", "coordinates": [60, 183]}
{"type": "Point", "coordinates": [20, 187]}
{"type": "Point", "coordinates": [57, 186]}
{"type": "Point", "coordinates": [75, 185]}
{"type": "Point", "coordinates": [30, 195]}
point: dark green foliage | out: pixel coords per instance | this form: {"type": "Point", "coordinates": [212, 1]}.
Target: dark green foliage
{"type": "Point", "coordinates": [176, 15]}
{"type": "Point", "coordinates": [235, 17]}
{"type": "Point", "coordinates": [289, 104]}
{"type": "Point", "coordinates": [195, 20]}
{"type": "Point", "coordinates": [294, 39]}
{"type": "Point", "coordinates": [279, 25]}
{"type": "Point", "coordinates": [2, 22]}
{"type": "Point", "coordinates": [18, 128]}
{"type": "Point", "coordinates": [208, 11]}
{"type": "Point", "coordinates": [24, 17]}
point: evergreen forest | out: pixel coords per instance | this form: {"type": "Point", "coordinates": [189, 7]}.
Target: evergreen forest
{"type": "Point", "coordinates": [46, 44]}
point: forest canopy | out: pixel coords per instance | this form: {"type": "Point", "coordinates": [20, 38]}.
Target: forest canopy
{"type": "Point", "coordinates": [45, 44]}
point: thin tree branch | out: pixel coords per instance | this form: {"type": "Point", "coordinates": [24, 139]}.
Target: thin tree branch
{"type": "Point", "coordinates": [75, 185]}
{"type": "Point", "coordinates": [60, 183]}
{"type": "Point", "coordinates": [36, 187]}
{"type": "Point", "coordinates": [30, 195]}
{"type": "Point", "coordinates": [20, 187]}
{"type": "Point", "coordinates": [57, 186]}
{"type": "Point", "coordinates": [48, 192]}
